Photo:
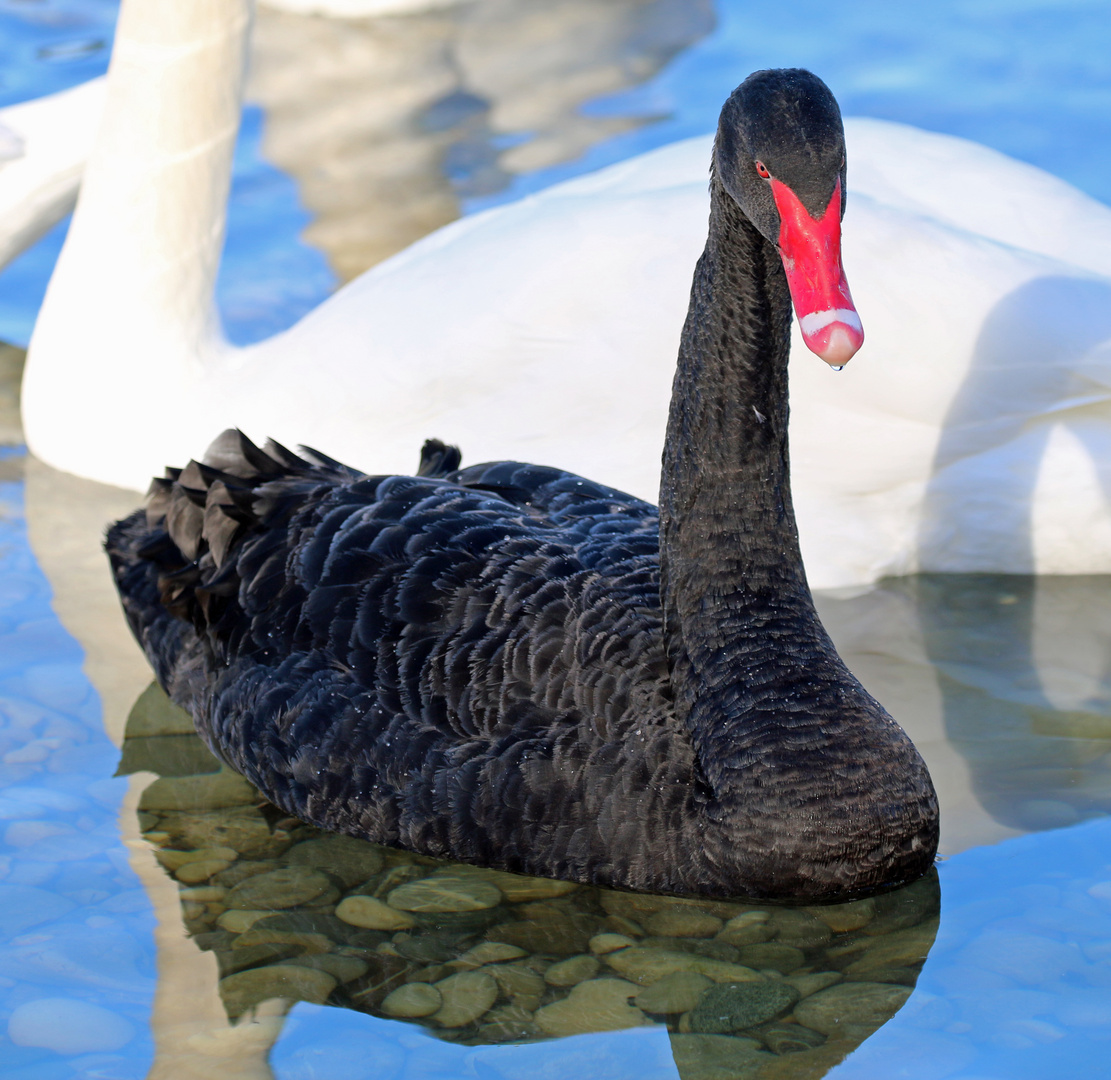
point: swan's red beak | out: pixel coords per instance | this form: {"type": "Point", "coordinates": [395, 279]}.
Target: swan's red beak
{"type": "Point", "coordinates": [811, 253]}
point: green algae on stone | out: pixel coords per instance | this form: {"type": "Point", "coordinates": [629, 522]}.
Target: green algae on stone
{"type": "Point", "coordinates": [789, 1038]}
{"type": "Point", "coordinates": [242, 828]}
{"type": "Point", "coordinates": [412, 1000]}
{"type": "Point", "coordinates": [792, 926]}
{"type": "Point", "coordinates": [352, 861]}
{"type": "Point", "coordinates": [646, 966]}
{"type": "Point", "coordinates": [852, 1009]}
{"type": "Point", "coordinates": [572, 971]}
{"type": "Point", "coordinates": [676, 993]}
{"type": "Point", "coordinates": [508, 1023]}
{"type": "Point", "coordinates": [155, 714]}
{"type": "Point", "coordinates": [517, 888]}
{"type": "Point", "coordinates": [232, 960]}
{"type": "Point", "coordinates": [466, 996]}
{"type": "Point", "coordinates": [682, 923]}
{"type": "Point", "coordinates": [899, 949]}
{"type": "Point", "coordinates": [748, 928]}
{"type": "Point", "coordinates": [174, 860]}
{"type": "Point", "coordinates": [205, 791]}
{"type": "Point", "coordinates": [488, 952]}
{"type": "Point", "coordinates": [193, 873]}
{"type": "Point", "coordinates": [166, 755]}
{"type": "Point", "coordinates": [841, 918]}
{"type": "Point", "coordinates": [553, 934]}
{"type": "Point", "coordinates": [263, 935]}
{"type": "Point", "coordinates": [245, 868]}
{"type": "Point", "coordinates": [735, 1006]}
{"type": "Point", "coordinates": [343, 969]}
{"type": "Point", "coordinates": [773, 955]}
{"type": "Point", "coordinates": [523, 986]}
{"type": "Point", "coordinates": [600, 944]}
{"type": "Point", "coordinates": [812, 982]}
{"type": "Point", "coordinates": [240, 920]}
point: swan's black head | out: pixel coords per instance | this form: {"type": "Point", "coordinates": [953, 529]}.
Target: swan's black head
{"type": "Point", "coordinates": [780, 154]}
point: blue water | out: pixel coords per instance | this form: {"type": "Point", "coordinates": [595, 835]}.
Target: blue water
{"type": "Point", "coordinates": [1018, 983]}
{"type": "Point", "coordinates": [51, 45]}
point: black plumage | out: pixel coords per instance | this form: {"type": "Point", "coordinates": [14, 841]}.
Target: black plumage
{"type": "Point", "coordinates": [488, 664]}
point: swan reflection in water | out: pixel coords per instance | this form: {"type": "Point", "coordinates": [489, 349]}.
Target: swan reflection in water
{"type": "Point", "coordinates": [1004, 681]}
{"type": "Point", "coordinates": [479, 957]}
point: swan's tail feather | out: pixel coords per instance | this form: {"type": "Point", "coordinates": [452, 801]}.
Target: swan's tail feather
{"type": "Point", "coordinates": [233, 453]}
{"type": "Point", "coordinates": [176, 562]}
{"type": "Point", "coordinates": [196, 517]}
{"type": "Point", "coordinates": [317, 458]}
{"type": "Point", "coordinates": [438, 459]}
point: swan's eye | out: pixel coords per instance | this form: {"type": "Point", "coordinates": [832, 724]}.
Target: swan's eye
{"type": "Point", "coordinates": [762, 170]}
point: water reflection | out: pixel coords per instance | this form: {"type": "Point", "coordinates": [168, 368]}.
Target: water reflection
{"type": "Point", "coordinates": [480, 957]}
{"type": "Point", "coordinates": [1023, 668]}
{"type": "Point", "coordinates": [387, 123]}
{"type": "Point", "coordinates": [1004, 682]}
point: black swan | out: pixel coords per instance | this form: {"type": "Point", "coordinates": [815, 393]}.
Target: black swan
{"type": "Point", "coordinates": [513, 666]}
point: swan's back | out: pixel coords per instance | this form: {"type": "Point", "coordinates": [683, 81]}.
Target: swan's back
{"type": "Point", "coordinates": [448, 662]}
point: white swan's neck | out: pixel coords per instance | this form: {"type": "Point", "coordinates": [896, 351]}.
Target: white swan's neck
{"type": "Point", "coordinates": [139, 265]}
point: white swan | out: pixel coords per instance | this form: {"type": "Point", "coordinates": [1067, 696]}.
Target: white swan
{"type": "Point", "coordinates": [965, 435]}
{"type": "Point", "coordinates": [43, 147]}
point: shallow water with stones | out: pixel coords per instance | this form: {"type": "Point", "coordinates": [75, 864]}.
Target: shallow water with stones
{"type": "Point", "coordinates": [478, 956]}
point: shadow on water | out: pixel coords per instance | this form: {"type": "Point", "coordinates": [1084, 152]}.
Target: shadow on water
{"type": "Point", "coordinates": [478, 957]}
{"type": "Point", "coordinates": [1004, 683]}
{"type": "Point", "coordinates": [1032, 374]}
{"type": "Point", "coordinates": [1023, 665]}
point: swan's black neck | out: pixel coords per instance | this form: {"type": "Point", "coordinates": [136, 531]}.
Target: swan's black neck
{"type": "Point", "coordinates": [810, 788]}
{"type": "Point", "coordinates": [734, 593]}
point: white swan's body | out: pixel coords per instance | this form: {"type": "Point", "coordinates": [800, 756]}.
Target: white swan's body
{"type": "Point", "coordinates": [968, 434]}
{"type": "Point", "coordinates": [43, 148]}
